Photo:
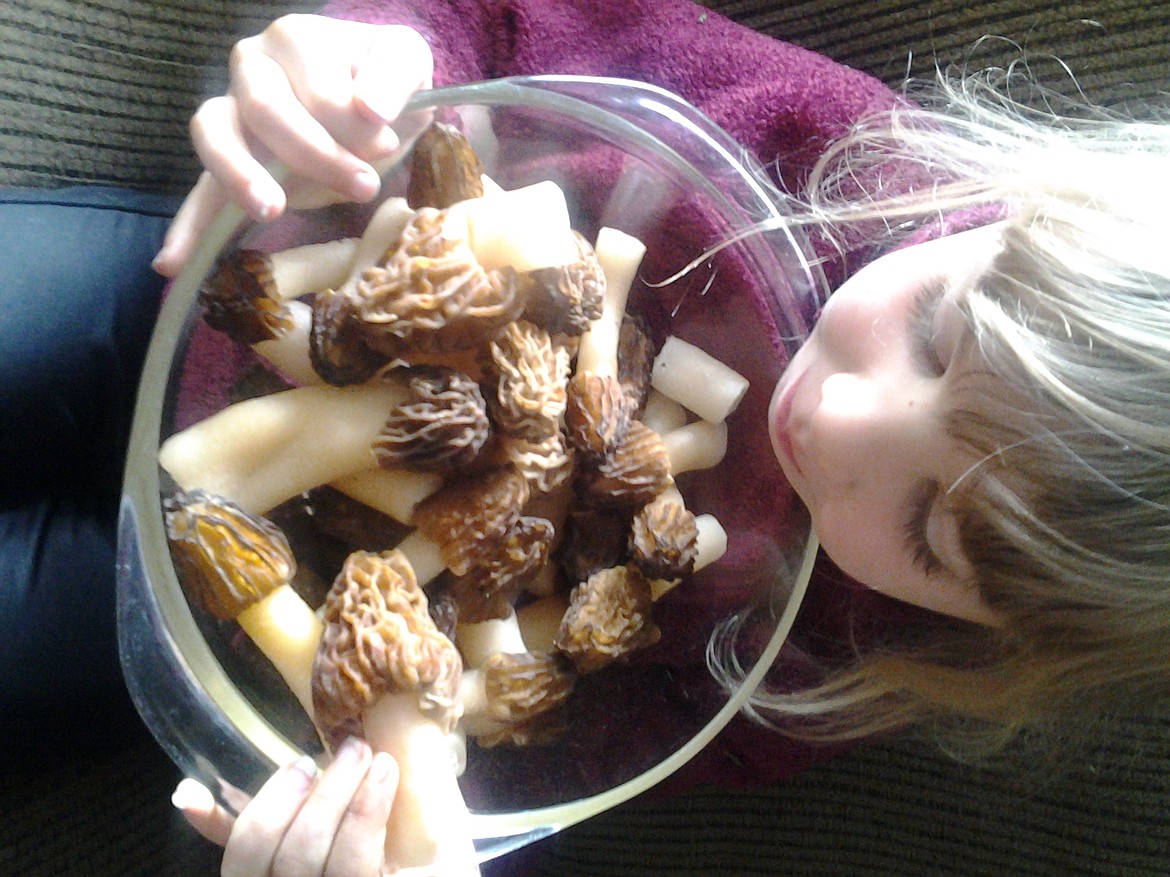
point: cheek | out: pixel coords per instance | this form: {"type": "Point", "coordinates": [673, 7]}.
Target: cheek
{"type": "Point", "coordinates": [863, 548]}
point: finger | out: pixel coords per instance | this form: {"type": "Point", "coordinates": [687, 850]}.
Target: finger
{"type": "Point", "coordinates": [200, 809]}
{"type": "Point", "coordinates": [397, 63]}
{"type": "Point", "coordinates": [262, 825]}
{"type": "Point", "coordinates": [226, 152]}
{"type": "Point", "coordinates": [194, 215]}
{"type": "Point", "coordinates": [361, 835]}
{"type": "Point", "coordinates": [273, 114]}
{"type": "Point", "coordinates": [307, 843]}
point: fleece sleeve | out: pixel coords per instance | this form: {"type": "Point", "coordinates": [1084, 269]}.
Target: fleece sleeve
{"type": "Point", "coordinates": [782, 102]}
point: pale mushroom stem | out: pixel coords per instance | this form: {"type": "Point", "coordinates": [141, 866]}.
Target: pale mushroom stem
{"type": "Point", "coordinates": [260, 452]}
{"type": "Point", "coordinates": [619, 255]}
{"type": "Point", "coordinates": [429, 821]}
{"type": "Point", "coordinates": [540, 620]}
{"type": "Point", "coordinates": [480, 640]}
{"type": "Point", "coordinates": [381, 234]}
{"type": "Point", "coordinates": [288, 352]}
{"type": "Point", "coordinates": [287, 631]}
{"type": "Point", "coordinates": [698, 445]}
{"type": "Point", "coordinates": [663, 414]}
{"type": "Point", "coordinates": [309, 268]}
{"type": "Point", "coordinates": [697, 380]}
{"type": "Point", "coordinates": [525, 229]}
{"type": "Point", "coordinates": [394, 492]}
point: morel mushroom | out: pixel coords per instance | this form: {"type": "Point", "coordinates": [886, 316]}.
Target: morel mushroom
{"type": "Point", "coordinates": [384, 671]}
{"type": "Point", "coordinates": [460, 525]}
{"type": "Point", "coordinates": [635, 472]}
{"type": "Point", "coordinates": [598, 410]}
{"type": "Point", "coordinates": [516, 698]}
{"type": "Point", "coordinates": [608, 617]}
{"type": "Point", "coordinates": [531, 371]}
{"type": "Point", "coordinates": [490, 587]}
{"type": "Point", "coordinates": [260, 452]}
{"type": "Point", "coordinates": [242, 300]}
{"type": "Point", "coordinates": [444, 169]}
{"type": "Point", "coordinates": [566, 298]}
{"type": "Point", "coordinates": [432, 294]}
{"type": "Point", "coordinates": [668, 542]}
{"type": "Point", "coordinates": [509, 692]}
{"type": "Point", "coordinates": [443, 426]}
{"type": "Point", "coordinates": [239, 566]}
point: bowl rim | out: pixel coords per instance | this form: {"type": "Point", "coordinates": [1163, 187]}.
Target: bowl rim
{"type": "Point", "coordinates": [142, 482]}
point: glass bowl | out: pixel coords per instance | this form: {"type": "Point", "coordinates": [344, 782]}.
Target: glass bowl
{"type": "Point", "coordinates": [627, 155]}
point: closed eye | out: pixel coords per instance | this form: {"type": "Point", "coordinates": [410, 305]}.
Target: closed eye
{"type": "Point", "coordinates": [919, 505]}
{"type": "Point", "coordinates": [922, 331]}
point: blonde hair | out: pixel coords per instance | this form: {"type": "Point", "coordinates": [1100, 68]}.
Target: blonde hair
{"type": "Point", "coordinates": [1067, 519]}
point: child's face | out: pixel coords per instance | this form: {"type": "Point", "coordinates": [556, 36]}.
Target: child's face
{"type": "Point", "coordinates": [858, 422]}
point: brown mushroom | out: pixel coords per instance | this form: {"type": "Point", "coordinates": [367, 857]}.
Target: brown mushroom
{"type": "Point", "coordinates": [635, 357]}
{"type": "Point", "coordinates": [635, 472]}
{"type": "Point", "coordinates": [384, 671]}
{"type": "Point", "coordinates": [608, 617]}
{"type": "Point", "coordinates": [443, 426]}
{"type": "Point", "coordinates": [444, 168]}
{"type": "Point", "coordinates": [490, 587]}
{"type": "Point", "coordinates": [239, 566]}
{"type": "Point", "coordinates": [531, 371]}
{"type": "Point", "coordinates": [516, 698]}
{"type": "Point", "coordinates": [566, 298]}
{"type": "Point", "coordinates": [432, 294]}
{"type": "Point", "coordinates": [461, 524]}
{"type": "Point", "coordinates": [663, 538]}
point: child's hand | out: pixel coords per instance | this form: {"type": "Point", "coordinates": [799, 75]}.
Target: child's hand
{"type": "Point", "coordinates": [303, 823]}
{"type": "Point", "coordinates": [316, 93]}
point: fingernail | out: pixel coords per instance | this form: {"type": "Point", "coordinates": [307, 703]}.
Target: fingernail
{"type": "Point", "coordinates": [304, 771]}
{"type": "Point", "coordinates": [267, 200]}
{"type": "Point", "coordinates": [350, 752]}
{"type": "Point", "coordinates": [366, 184]}
{"type": "Point", "coordinates": [380, 768]}
{"type": "Point", "coordinates": [190, 794]}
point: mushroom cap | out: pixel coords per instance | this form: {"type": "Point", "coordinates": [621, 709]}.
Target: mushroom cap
{"type": "Point", "coordinates": [566, 298]}
{"type": "Point", "coordinates": [337, 343]}
{"type": "Point", "coordinates": [240, 300]}
{"type": "Point", "coordinates": [443, 426]}
{"type": "Point", "coordinates": [526, 694]}
{"type": "Point", "coordinates": [546, 464]}
{"type": "Point", "coordinates": [597, 413]}
{"type": "Point", "coordinates": [444, 168]}
{"type": "Point", "coordinates": [468, 517]}
{"type": "Point", "coordinates": [635, 359]}
{"type": "Point", "coordinates": [379, 638]}
{"type": "Point", "coordinates": [608, 617]}
{"type": "Point", "coordinates": [635, 472]}
{"type": "Point", "coordinates": [532, 372]}
{"type": "Point", "coordinates": [489, 588]}
{"type": "Point", "coordinates": [229, 559]}
{"type": "Point", "coordinates": [432, 294]}
{"type": "Point", "coordinates": [663, 539]}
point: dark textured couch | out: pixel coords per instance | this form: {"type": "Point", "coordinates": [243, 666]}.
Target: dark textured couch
{"type": "Point", "coordinates": [100, 90]}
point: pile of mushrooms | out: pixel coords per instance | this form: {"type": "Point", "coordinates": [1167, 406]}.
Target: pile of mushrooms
{"type": "Point", "coordinates": [468, 368]}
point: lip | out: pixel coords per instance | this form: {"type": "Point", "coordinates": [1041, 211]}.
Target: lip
{"type": "Point", "coordinates": [781, 414]}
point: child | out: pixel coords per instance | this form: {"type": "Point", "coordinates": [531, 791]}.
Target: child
{"type": "Point", "coordinates": [978, 424]}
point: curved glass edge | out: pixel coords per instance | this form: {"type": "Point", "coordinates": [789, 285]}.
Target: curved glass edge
{"type": "Point", "coordinates": [200, 682]}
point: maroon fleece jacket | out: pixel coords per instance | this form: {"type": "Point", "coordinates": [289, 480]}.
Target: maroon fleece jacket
{"type": "Point", "coordinates": [783, 102]}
